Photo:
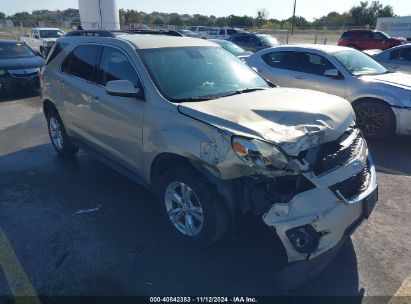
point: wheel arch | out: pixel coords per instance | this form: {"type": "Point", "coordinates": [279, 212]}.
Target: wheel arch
{"type": "Point", "coordinates": [48, 105]}
{"type": "Point", "coordinates": [381, 101]}
{"type": "Point", "coordinates": [167, 160]}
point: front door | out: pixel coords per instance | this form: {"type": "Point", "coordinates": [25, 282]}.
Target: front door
{"type": "Point", "coordinates": [310, 75]}
{"type": "Point", "coordinates": [118, 120]}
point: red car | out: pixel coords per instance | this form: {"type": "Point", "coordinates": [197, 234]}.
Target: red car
{"type": "Point", "coordinates": [369, 40]}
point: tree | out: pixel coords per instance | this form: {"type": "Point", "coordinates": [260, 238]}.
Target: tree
{"type": "Point", "coordinates": [262, 15]}
{"type": "Point", "coordinates": [2, 16]}
{"type": "Point", "coordinates": [366, 14]}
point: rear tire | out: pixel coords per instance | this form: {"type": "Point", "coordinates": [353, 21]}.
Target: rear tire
{"type": "Point", "coordinates": [191, 206]}
{"type": "Point", "coordinates": [375, 119]}
{"type": "Point", "coordinates": [58, 136]}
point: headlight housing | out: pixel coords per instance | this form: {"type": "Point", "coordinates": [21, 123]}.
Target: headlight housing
{"type": "Point", "coordinates": [259, 154]}
{"type": "Point", "coordinates": [2, 72]}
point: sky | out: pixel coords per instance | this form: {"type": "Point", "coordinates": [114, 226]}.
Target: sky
{"type": "Point", "coordinates": [278, 9]}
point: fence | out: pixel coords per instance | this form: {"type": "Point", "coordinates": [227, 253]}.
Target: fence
{"type": "Point", "coordinates": [15, 29]}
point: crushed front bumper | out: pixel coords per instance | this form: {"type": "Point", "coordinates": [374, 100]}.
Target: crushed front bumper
{"type": "Point", "coordinates": [328, 212]}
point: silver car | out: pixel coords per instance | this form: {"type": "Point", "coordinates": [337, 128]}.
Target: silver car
{"type": "Point", "coordinates": [381, 100]}
{"type": "Point", "coordinates": [396, 59]}
{"type": "Point", "coordinates": [212, 139]}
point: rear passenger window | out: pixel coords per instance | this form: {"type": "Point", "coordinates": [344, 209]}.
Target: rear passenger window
{"type": "Point", "coordinates": [114, 65]}
{"type": "Point", "coordinates": [231, 32]}
{"type": "Point", "coordinates": [241, 39]}
{"type": "Point", "coordinates": [81, 62]}
{"type": "Point", "coordinates": [57, 48]}
{"type": "Point", "coordinates": [281, 60]}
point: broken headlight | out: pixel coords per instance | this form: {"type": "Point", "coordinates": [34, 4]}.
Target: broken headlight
{"type": "Point", "coordinates": [259, 154]}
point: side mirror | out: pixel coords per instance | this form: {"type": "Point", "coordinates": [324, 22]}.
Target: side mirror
{"type": "Point", "coordinates": [331, 73]}
{"type": "Point", "coordinates": [124, 88]}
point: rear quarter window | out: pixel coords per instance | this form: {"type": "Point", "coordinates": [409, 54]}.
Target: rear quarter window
{"type": "Point", "coordinates": [346, 35]}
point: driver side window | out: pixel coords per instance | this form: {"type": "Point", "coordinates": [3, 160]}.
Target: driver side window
{"type": "Point", "coordinates": [114, 65]}
{"type": "Point", "coordinates": [314, 64]}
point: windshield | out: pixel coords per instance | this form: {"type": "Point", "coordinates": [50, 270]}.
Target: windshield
{"type": "Point", "coordinates": [15, 50]}
{"type": "Point", "coordinates": [51, 34]}
{"type": "Point", "coordinates": [198, 73]}
{"type": "Point", "coordinates": [231, 47]}
{"type": "Point", "coordinates": [269, 40]}
{"type": "Point", "coordinates": [357, 63]}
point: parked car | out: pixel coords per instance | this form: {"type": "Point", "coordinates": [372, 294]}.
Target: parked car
{"type": "Point", "coordinates": [188, 33]}
{"type": "Point", "coordinates": [380, 99]}
{"type": "Point", "coordinates": [19, 66]}
{"type": "Point", "coordinates": [254, 42]}
{"type": "Point", "coordinates": [368, 39]}
{"type": "Point", "coordinates": [396, 59]}
{"type": "Point", "coordinates": [42, 39]}
{"type": "Point", "coordinates": [213, 139]}
{"type": "Point", "coordinates": [223, 33]}
{"type": "Point", "coordinates": [202, 31]}
{"type": "Point", "coordinates": [232, 48]}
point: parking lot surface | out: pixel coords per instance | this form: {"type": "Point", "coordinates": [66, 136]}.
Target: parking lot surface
{"type": "Point", "coordinates": [123, 247]}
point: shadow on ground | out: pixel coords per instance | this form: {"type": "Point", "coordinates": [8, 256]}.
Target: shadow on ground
{"type": "Point", "coordinates": [126, 248]}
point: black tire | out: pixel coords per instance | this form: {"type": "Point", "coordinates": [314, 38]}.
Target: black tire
{"type": "Point", "coordinates": [61, 143]}
{"type": "Point", "coordinates": [375, 119]}
{"type": "Point", "coordinates": [215, 214]}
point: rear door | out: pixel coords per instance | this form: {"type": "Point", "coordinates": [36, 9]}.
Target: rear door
{"type": "Point", "coordinates": [278, 67]}
{"type": "Point", "coordinates": [77, 82]}
{"type": "Point", "coordinates": [310, 75]}
{"type": "Point", "coordinates": [118, 120]}
{"type": "Point", "coordinates": [400, 60]}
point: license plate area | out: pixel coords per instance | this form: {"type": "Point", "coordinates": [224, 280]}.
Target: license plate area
{"type": "Point", "coordinates": [369, 203]}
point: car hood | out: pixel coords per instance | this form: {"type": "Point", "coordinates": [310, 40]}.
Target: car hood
{"type": "Point", "coordinates": [49, 39]}
{"type": "Point", "coordinates": [400, 80]}
{"type": "Point", "coordinates": [21, 63]}
{"type": "Point", "coordinates": [294, 119]}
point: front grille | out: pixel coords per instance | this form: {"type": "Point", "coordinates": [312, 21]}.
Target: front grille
{"type": "Point", "coordinates": [355, 185]}
{"type": "Point", "coordinates": [333, 154]}
{"type": "Point", "coordinates": [26, 73]}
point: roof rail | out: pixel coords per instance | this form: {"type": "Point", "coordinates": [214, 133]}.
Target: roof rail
{"type": "Point", "coordinates": [97, 33]}
{"type": "Point", "coordinates": [150, 32]}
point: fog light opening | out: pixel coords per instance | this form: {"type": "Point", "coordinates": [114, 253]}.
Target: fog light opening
{"type": "Point", "coordinates": [304, 238]}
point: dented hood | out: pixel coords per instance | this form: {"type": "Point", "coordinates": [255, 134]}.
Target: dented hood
{"type": "Point", "coordinates": [294, 119]}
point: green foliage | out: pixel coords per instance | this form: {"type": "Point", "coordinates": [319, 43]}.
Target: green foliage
{"type": "Point", "coordinates": [365, 14]}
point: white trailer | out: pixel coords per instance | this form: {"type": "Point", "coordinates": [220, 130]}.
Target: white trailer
{"type": "Point", "coordinates": [395, 26]}
{"type": "Point", "coordinates": [99, 14]}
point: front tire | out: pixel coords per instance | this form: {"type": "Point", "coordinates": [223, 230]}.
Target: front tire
{"type": "Point", "coordinates": [58, 136]}
{"type": "Point", "coordinates": [192, 207]}
{"type": "Point", "coordinates": [375, 119]}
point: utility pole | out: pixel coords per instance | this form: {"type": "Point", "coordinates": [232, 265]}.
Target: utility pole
{"type": "Point", "coordinates": [292, 23]}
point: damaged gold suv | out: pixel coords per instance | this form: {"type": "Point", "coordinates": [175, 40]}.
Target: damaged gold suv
{"type": "Point", "coordinates": [211, 138]}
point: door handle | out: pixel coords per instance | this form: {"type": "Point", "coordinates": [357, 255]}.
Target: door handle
{"type": "Point", "coordinates": [95, 99]}
{"type": "Point", "coordinates": [299, 77]}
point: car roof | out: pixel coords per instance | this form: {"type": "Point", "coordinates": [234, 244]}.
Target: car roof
{"type": "Point", "coordinates": [327, 48]}
{"type": "Point", "coordinates": [6, 41]}
{"type": "Point", "coordinates": [47, 28]}
{"type": "Point", "coordinates": [142, 41]}
{"type": "Point", "coordinates": [160, 41]}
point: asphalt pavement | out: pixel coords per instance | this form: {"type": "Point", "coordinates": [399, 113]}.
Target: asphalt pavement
{"type": "Point", "coordinates": [125, 248]}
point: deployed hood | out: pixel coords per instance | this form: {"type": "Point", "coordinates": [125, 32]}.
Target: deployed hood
{"type": "Point", "coordinates": [400, 80]}
{"type": "Point", "coordinates": [21, 63]}
{"type": "Point", "coordinates": [295, 119]}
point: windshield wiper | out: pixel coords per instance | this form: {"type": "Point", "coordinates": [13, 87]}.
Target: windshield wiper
{"type": "Point", "coordinates": [248, 90]}
{"type": "Point", "coordinates": [190, 99]}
